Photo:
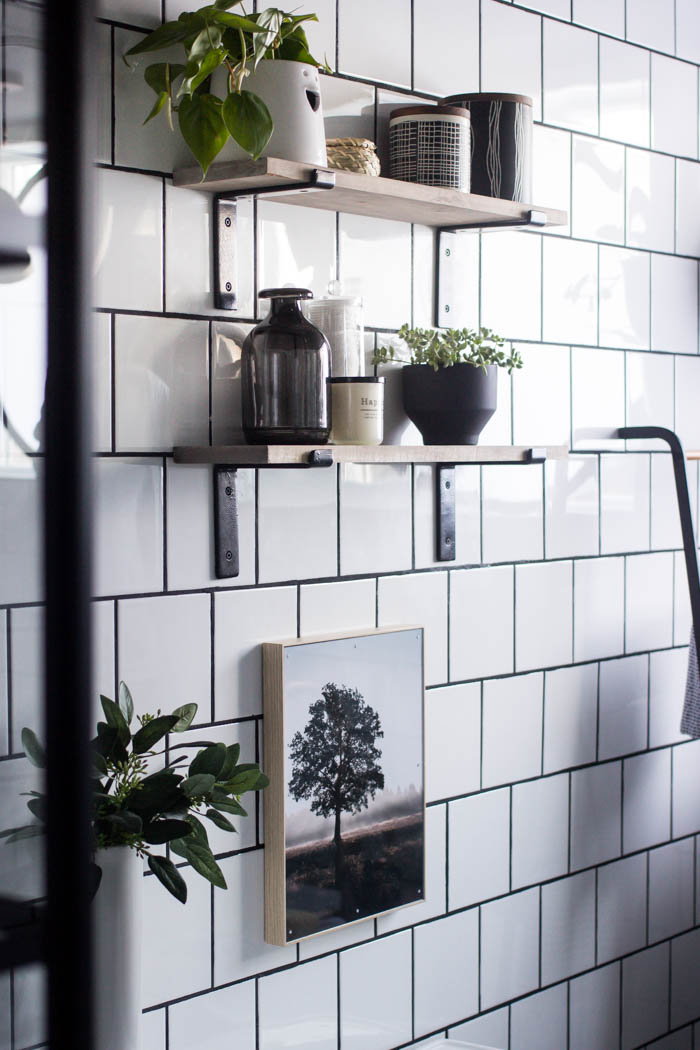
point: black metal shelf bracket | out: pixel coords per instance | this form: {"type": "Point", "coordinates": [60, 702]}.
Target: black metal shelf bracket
{"type": "Point", "coordinates": [224, 228]}
{"type": "Point", "coordinates": [680, 476]}
{"type": "Point", "coordinates": [449, 292]}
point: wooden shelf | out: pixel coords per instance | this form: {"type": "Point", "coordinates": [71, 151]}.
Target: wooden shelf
{"type": "Point", "coordinates": [362, 195]}
{"type": "Point", "coordinates": [302, 455]}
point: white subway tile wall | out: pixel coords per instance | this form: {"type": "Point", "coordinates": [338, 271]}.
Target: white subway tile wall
{"type": "Point", "coordinates": [562, 886]}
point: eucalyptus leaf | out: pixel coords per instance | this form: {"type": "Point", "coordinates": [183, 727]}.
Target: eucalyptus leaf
{"type": "Point", "coordinates": [202, 127]}
{"type": "Point", "coordinates": [166, 872]}
{"type": "Point", "coordinates": [228, 805]}
{"type": "Point", "coordinates": [153, 731]}
{"type": "Point", "coordinates": [248, 121]}
{"type": "Point", "coordinates": [198, 785]}
{"type": "Point", "coordinates": [159, 831]}
{"type": "Point", "coordinates": [125, 821]}
{"type": "Point", "coordinates": [202, 860]}
{"type": "Point", "coordinates": [185, 717]}
{"type": "Point", "coordinates": [115, 719]}
{"type": "Point", "coordinates": [219, 819]}
{"type": "Point", "coordinates": [210, 760]}
{"type": "Point", "coordinates": [232, 756]}
{"type": "Point", "coordinates": [34, 751]}
{"type": "Point", "coordinates": [39, 808]}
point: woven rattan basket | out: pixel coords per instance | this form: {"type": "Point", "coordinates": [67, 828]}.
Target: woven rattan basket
{"type": "Point", "coordinates": [357, 155]}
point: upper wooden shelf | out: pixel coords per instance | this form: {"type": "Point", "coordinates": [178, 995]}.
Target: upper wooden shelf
{"type": "Point", "coordinates": [362, 194]}
{"type": "Point", "coordinates": [303, 455]}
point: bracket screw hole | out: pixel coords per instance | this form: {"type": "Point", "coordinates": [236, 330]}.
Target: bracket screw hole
{"type": "Point", "coordinates": [227, 221]}
{"type": "Point", "coordinates": [447, 484]}
{"type": "Point", "coordinates": [229, 490]}
{"type": "Point", "coordinates": [448, 540]}
{"type": "Point", "coordinates": [448, 252]}
{"type": "Point", "coordinates": [229, 556]}
{"type": "Point", "coordinates": [228, 286]}
{"type": "Point", "coordinates": [447, 308]}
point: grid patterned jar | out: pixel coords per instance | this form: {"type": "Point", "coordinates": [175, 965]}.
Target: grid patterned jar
{"type": "Point", "coordinates": [431, 145]}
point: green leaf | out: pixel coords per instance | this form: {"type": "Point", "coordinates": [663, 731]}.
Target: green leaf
{"type": "Point", "coordinates": [153, 731]}
{"type": "Point", "coordinates": [159, 793]}
{"type": "Point", "coordinates": [242, 782]}
{"type": "Point", "coordinates": [160, 831]}
{"type": "Point", "coordinates": [191, 743]}
{"type": "Point", "coordinates": [99, 764]}
{"type": "Point", "coordinates": [262, 782]}
{"type": "Point", "coordinates": [159, 77]}
{"type": "Point", "coordinates": [125, 821]}
{"type": "Point", "coordinates": [38, 807]}
{"type": "Point", "coordinates": [178, 847]}
{"type": "Point", "coordinates": [185, 717]}
{"type": "Point", "coordinates": [108, 743]}
{"type": "Point", "coordinates": [197, 73]}
{"type": "Point", "coordinates": [168, 34]}
{"type": "Point", "coordinates": [248, 121]}
{"type": "Point", "coordinates": [219, 819]}
{"type": "Point", "coordinates": [115, 719]}
{"type": "Point", "coordinates": [237, 22]}
{"type": "Point", "coordinates": [202, 860]}
{"type": "Point", "coordinates": [166, 872]}
{"type": "Point", "coordinates": [202, 127]}
{"type": "Point", "coordinates": [232, 755]}
{"type": "Point", "coordinates": [210, 760]}
{"type": "Point", "coordinates": [199, 784]}
{"type": "Point", "coordinates": [34, 751]}
{"type": "Point", "coordinates": [228, 805]}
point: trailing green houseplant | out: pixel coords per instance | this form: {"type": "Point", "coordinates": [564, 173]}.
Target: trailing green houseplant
{"type": "Point", "coordinates": [214, 37]}
{"type": "Point", "coordinates": [138, 809]}
{"type": "Point", "coordinates": [449, 379]}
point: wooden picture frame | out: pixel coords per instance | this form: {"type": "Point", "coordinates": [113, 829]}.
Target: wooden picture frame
{"type": "Point", "coordinates": [344, 747]}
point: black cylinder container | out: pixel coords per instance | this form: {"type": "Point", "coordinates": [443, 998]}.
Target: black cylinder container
{"type": "Point", "coordinates": [285, 367]}
{"type": "Point", "coordinates": [501, 127]}
{"type": "Point", "coordinates": [451, 405]}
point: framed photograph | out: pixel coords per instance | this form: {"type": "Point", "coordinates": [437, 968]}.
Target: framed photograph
{"type": "Point", "coordinates": [345, 810]}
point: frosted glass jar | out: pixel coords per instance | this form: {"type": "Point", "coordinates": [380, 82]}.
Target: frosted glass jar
{"type": "Point", "coordinates": [340, 319]}
{"type": "Point", "coordinates": [357, 410]}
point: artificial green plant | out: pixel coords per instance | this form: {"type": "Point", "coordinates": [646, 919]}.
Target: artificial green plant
{"type": "Point", "coordinates": [442, 347]}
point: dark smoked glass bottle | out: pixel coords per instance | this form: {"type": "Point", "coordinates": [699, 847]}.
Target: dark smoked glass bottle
{"type": "Point", "coordinates": [286, 364]}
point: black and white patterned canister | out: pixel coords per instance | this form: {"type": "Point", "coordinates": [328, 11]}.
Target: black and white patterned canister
{"type": "Point", "coordinates": [431, 145]}
{"type": "Point", "coordinates": [501, 127]}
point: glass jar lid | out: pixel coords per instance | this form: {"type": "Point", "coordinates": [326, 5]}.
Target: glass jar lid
{"type": "Point", "coordinates": [286, 293]}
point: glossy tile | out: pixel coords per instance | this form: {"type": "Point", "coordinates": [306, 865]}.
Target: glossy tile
{"type": "Point", "coordinates": [674, 304]}
{"type": "Point", "coordinates": [458, 65]}
{"type": "Point", "coordinates": [623, 706]}
{"type": "Point", "coordinates": [624, 92]}
{"type": "Point", "coordinates": [622, 907]}
{"type": "Point", "coordinates": [512, 729]}
{"type": "Point", "coordinates": [30, 1005]}
{"type": "Point", "coordinates": [687, 207]}
{"type": "Point", "coordinates": [26, 671]}
{"type": "Point", "coordinates": [467, 516]}
{"type": "Point", "coordinates": [348, 108]}
{"type": "Point", "coordinates": [646, 800]}
{"type": "Point", "coordinates": [568, 926]}
{"type": "Point", "coordinates": [598, 193]}
{"type": "Point", "coordinates": [128, 535]}
{"type": "Point", "coordinates": [570, 77]}
{"type": "Point", "coordinates": [570, 719]}
{"type": "Point", "coordinates": [322, 34]}
{"type": "Point", "coordinates": [540, 835]}
{"type": "Point", "coordinates": [241, 908]}
{"type": "Point", "coordinates": [684, 978]}
{"type": "Point", "coordinates": [606, 15]}
{"type": "Point", "coordinates": [490, 1029]}
{"type": "Point", "coordinates": [512, 512]}
{"type": "Point", "coordinates": [665, 520]}
{"type": "Point", "coordinates": [174, 933]}
{"type": "Point", "coordinates": [671, 889]}
{"type": "Point", "coordinates": [649, 200]}
{"type": "Point", "coordinates": [102, 383]}
{"type": "Point", "coordinates": [667, 675]}
{"type": "Point", "coordinates": [596, 802]}
{"type": "Point", "coordinates": [136, 12]}
{"type": "Point", "coordinates": [343, 606]}
{"type": "Point", "coordinates": [511, 260]}
{"type": "Point", "coordinates": [649, 395]}
{"type": "Point", "coordinates": [624, 298]}
{"type": "Point", "coordinates": [375, 994]}
{"type": "Point", "coordinates": [299, 1007]}
{"type": "Point", "coordinates": [652, 23]}
{"type": "Point", "coordinates": [649, 602]}
{"type": "Point", "coordinates": [225, 1015]}
{"type": "Point", "coordinates": [674, 130]}
{"type": "Point", "coordinates": [687, 422]}
{"type": "Point", "coordinates": [296, 243]}
{"type": "Point", "coordinates": [129, 241]}
{"type": "Point", "coordinates": [599, 608]}
{"type": "Point", "coordinates": [375, 518]}
{"type": "Point", "coordinates": [687, 30]}
{"type": "Point", "coordinates": [342, 937]}
{"type": "Point", "coordinates": [481, 622]}
{"type": "Point", "coordinates": [540, 1021]}
{"type": "Point", "coordinates": [4, 727]}
{"type": "Point", "coordinates": [543, 615]}
{"type": "Point", "coordinates": [398, 429]}
{"type": "Point", "coordinates": [243, 621]}
{"type": "Point", "coordinates": [624, 503]}
{"type": "Point", "coordinates": [164, 652]}
{"type": "Point", "coordinates": [153, 1029]}
{"type": "Point", "coordinates": [421, 600]}
{"type": "Point", "coordinates": [644, 996]}
{"type": "Point", "coordinates": [435, 895]}
{"type": "Point", "coordinates": [686, 784]}
{"type": "Point", "coordinates": [511, 52]}
{"type": "Point", "coordinates": [297, 524]}
{"type": "Point", "coordinates": [570, 279]}
{"type": "Point", "coordinates": [479, 857]}
{"type": "Point", "coordinates": [366, 246]}
{"type": "Point", "coordinates": [509, 947]}
{"type": "Point", "coordinates": [452, 740]}
{"type": "Point", "coordinates": [446, 971]}
{"type": "Point", "coordinates": [190, 528]}
{"type": "Point", "coordinates": [551, 170]}
{"type": "Point", "coordinates": [594, 1008]}
{"type": "Point", "coordinates": [571, 507]}
{"type": "Point", "coordinates": [365, 56]}
{"type": "Point", "coordinates": [541, 402]}
{"type": "Point", "coordinates": [103, 34]}
{"type": "Point", "coordinates": [681, 602]}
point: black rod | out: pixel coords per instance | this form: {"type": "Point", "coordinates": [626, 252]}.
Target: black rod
{"type": "Point", "coordinates": [69, 30]}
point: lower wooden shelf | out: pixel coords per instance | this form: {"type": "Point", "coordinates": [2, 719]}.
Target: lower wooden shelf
{"type": "Point", "coordinates": [325, 455]}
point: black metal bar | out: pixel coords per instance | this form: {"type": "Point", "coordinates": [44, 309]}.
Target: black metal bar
{"type": "Point", "coordinates": [70, 137]}
{"type": "Point", "coordinates": [226, 555]}
{"type": "Point", "coordinates": [533, 218]}
{"type": "Point", "coordinates": [683, 495]}
{"type": "Point", "coordinates": [445, 491]}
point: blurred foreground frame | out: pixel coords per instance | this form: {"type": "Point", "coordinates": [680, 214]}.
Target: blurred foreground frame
{"type": "Point", "coordinates": [344, 750]}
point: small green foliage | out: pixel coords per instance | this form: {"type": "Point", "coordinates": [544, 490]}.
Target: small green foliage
{"type": "Point", "coordinates": [442, 347]}
{"type": "Point", "coordinates": [212, 37]}
{"type": "Point", "coordinates": [137, 808]}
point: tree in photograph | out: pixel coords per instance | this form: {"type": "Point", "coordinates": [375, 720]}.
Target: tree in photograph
{"type": "Point", "coordinates": [335, 760]}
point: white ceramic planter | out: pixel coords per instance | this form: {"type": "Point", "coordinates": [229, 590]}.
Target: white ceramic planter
{"type": "Point", "coordinates": [117, 946]}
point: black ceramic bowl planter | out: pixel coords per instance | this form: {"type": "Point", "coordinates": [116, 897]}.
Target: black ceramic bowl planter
{"type": "Point", "coordinates": [450, 405]}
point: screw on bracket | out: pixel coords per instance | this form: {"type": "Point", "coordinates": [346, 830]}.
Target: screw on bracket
{"type": "Point", "coordinates": [227, 220]}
